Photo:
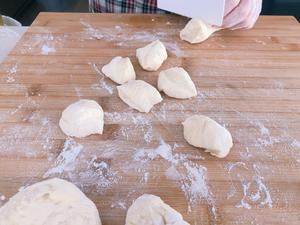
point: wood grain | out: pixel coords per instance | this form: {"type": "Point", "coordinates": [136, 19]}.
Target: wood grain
{"type": "Point", "coordinates": [248, 80]}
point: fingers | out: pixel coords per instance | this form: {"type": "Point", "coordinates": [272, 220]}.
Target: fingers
{"type": "Point", "coordinates": [230, 5]}
{"type": "Point", "coordinates": [252, 17]}
{"type": "Point", "coordinates": [239, 14]}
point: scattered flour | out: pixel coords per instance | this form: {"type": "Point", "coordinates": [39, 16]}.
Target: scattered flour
{"type": "Point", "coordinates": [65, 161]}
{"type": "Point", "coordinates": [78, 91]}
{"type": "Point", "coordinates": [295, 144]}
{"type": "Point", "coordinates": [278, 85]}
{"type": "Point", "coordinates": [11, 72]}
{"type": "Point", "coordinates": [137, 122]}
{"type": "Point", "coordinates": [191, 177]}
{"type": "Point", "coordinates": [38, 126]}
{"type": "Point", "coordinates": [46, 50]}
{"type": "Point", "coordinates": [260, 42]}
{"type": "Point", "coordinates": [121, 37]}
{"type": "Point", "coordinates": [246, 155]}
{"type": "Point", "coordinates": [145, 125]}
{"type": "Point", "coordinates": [243, 203]}
{"type": "Point", "coordinates": [255, 192]}
{"type": "Point", "coordinates": [46, 43]}
{"type": "Point", "coordinates": [83, 169]}
{"type": "Point", "coordinates": [99, 174]}
{"type": "Point", "coordinates": [119, 205]}
{"type": "Point", "coordinates": [102, 84]}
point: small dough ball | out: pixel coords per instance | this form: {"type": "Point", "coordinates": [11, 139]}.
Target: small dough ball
{"type": "Point", "coordinates": [82, 118]}
{"type": "Point", "coordinates": [120, 70]}
{"type": "Point", "coordinates": [151, 210]}
{"type": "Point", "coordinates": [176, 83]}
{"type": "Point", "coordinates": [139, 95]}
{"type": "Point", "coordinates": [203, 132]}
{"type": "Point", "coordinates": [196, 31]}
{"type": "Point", "coordinates": [50, 202]}
{"type": "Point", "coordinates": [152, 56]}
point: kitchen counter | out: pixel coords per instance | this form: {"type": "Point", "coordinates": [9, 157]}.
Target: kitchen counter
{"type": "Point", "coordinates": [247, 80]}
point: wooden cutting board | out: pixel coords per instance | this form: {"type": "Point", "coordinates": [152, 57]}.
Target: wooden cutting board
{"type": "Point", "coordinates": [247, 80]}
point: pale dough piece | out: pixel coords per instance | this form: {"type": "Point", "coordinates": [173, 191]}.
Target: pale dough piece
{"type": "Point", "coordinates": [120, 70]}
{"type": "Point", "coordinates": [139, 95]}
{"type": "Point", "coordinates": [176, 83]}
{"type": "Point", "coordinates": [82, 118]}
{"type": "Point", "coordinates": [152, 56]}
{"type": "Point", "coordinates": [151, 210]}
{"type": "Point", "coordinates": [50, 202]}
{"type": "Point", "coordinates": [196, 31]}
{"type": "Point", "coordinates": [203, 132]}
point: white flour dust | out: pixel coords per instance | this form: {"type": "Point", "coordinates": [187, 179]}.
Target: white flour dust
{"type": "Point", "coordinates": [102, 84]}
{"type": "Point", "coordinates": [190, 177]}
{"type": "Point", "coordinates": [66, 159]}
{"type": "Point", "coordinates": [145, 125]}
{"type": "Point", "coordinates": [11, 72]}
{"type": "Point", "coordinates": [260, 42]}
{"type": "Point", "coordinates": [46, 50]}
{"type": "Point", "coordinates": [84, 169]}
{"type": "Point", "coordinates": [46, 43]}
{"type": "Point", "coordinates": [40, 127]}
{"type": "Point", "coordinates": [122, 37]}
{"type": "Point", "coordinates": [97, 173]}
{"type": "Point", "coordinates": [140, 124]}
{"type": "Point", "coordinates": [296, 144]}
{"type": "Point", "coordinates": [119, 205]}
{"type": "Point", "coordinates": [164, 109]}
{"type": "Point", "coordinates": [255, 192]}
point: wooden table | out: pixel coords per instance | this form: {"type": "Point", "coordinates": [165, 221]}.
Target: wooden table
{"type": "Point", "coordinates": [247, 80]}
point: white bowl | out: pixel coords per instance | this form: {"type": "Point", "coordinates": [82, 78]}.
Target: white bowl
{"type": "Point", "coordinates": [8, 21]}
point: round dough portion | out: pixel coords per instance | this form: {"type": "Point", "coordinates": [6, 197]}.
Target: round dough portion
{"type": "Point", "coordinates": [82, 118]}
{"type": "Point", "coordinates": [139, 95]}
{"type": "Point", "coordinates": [120, 70]}
{"type": "Point", "coordinates": [151, 210]}
{"type": "Point", "coordinates": [203, 132]}
{"type": "Point", "coordinates": [50, 202]}
{"type": "Point", "coordinates": [196, 31]}
{"type": "Point", "coordinates": [152, 56]}
{"type": "Point", "coordinates": [176, 83]}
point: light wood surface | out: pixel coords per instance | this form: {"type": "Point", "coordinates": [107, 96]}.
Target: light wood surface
{"type": "Point", "coordinates": [247, 80]}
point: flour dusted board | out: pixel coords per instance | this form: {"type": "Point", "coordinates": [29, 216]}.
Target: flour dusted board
{"type": "Point", "coordinates": [246, 80]}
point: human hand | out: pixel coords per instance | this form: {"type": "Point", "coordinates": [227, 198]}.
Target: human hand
{"type": "Point", "coordinates": [241, 13]}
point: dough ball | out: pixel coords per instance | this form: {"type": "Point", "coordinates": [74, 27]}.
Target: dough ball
{"type": "Point", "coordinates": [82, 118]}
{"type": "Point", "coordinates": [176, 83]}
{"type": "Point", "coordinates": [151, 210]}
{"type": "Point", "coordinates": [120, 70]}
{"type": "Point", "coordinates": [139, 95]}
{"type": "Point", "coordinates": [50, 202]}
{"type": "Point", "coordinates": [197, 31]}
{"type": "Point", "coordinates": [152, 56]}
{"type": "Point", "coordinates": [203, 132]}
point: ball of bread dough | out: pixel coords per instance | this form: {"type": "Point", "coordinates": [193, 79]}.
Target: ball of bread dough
{"type": "Point", "coordinates": [82, 118]}
{"type": "Point", "coordinates": [50, 202]}
{"type": "Point", "coordinates": [151, 210]}
{"type": "Point", "coordinates": [176, 83]}
{"type": "Point", "coordinates": [203, 132]}
{"type": "Point", "coordinates": [197, 31]}
{"type": "Point", "coordinates": [120, 70]}
{"type": "Point", "coordinates": [152, 56]}
{"type": "Point", "coordinates": [139, 95]}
